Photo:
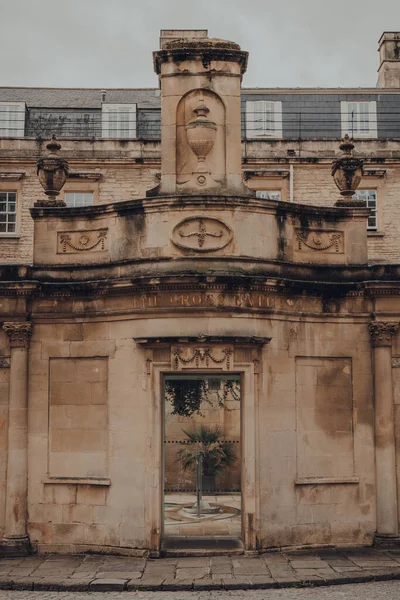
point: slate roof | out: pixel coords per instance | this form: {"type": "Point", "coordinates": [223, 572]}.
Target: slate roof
{"type": "Point", "coordinates": [87, 98]}
{"type": "Point", "coordinates": [78, 97]}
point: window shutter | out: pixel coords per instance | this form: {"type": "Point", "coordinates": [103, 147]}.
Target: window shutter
{"type": "Point", "coordinates": [373, 121]}
{"type": "Point", "coordinates": [344, 107]}
{"type": "Point", "coordinates": [278, 119]}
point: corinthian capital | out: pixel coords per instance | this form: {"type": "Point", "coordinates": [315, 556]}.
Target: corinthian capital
{"type": "Point", "coordinates": [382, 332]}
{"type": "Point", "coordinates": [18, 333]}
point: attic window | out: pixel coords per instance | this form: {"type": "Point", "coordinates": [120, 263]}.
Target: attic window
{"type": "Point", "coordinates": [359, 119]}
{"type": "Point", "coordinates": [118, 121]}
{"type": "Point", "coordinates": [263, 119]}
{"type": "Point", "coordinates": [12, 119]}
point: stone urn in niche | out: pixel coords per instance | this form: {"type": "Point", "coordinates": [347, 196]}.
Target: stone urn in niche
{"type": "Point", "coordinates": [347, 172]}
{"type": "Point", "coordinates": [53, 172]}
{"type": "Point", "coordinates": [201, 133]}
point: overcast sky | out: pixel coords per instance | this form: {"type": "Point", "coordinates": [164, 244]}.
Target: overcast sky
{"type": "Point", "coordinates": [109, 43]}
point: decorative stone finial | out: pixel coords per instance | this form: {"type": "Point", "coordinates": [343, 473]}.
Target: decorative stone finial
{"type": "Point", "coordinates": [347, 172]}
{"type": "Point", "coordinates": [53, 172]}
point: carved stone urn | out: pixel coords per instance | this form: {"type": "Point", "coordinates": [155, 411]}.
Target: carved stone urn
{"type": "Point", "coordinates": [53, 172]}
{"type": "Point", "coordinates": [347, 172]}
{"type": "Point", "coordinates": [201, 134]}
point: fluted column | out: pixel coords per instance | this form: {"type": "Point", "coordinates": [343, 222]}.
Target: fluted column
{"type": "Point", "coordinates": [15, 539]}
{"type": "Point", "coordinates": [385, 450]}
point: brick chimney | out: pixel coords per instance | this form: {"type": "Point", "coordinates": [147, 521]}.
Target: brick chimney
{"type": "Point", "coordinates": [389, 52]}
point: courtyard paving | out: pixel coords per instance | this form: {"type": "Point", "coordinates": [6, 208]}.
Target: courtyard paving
{"type": "Point", "coordinates": [269, 570]}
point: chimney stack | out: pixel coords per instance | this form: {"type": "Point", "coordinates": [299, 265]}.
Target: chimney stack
{"type": "Point", "coordinates": [167, 35]}
{"type": "Point", "coordinates": [389, 52]}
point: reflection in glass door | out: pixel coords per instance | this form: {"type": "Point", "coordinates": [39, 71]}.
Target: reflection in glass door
{"type": "Point", "coordinates": [202, 456]}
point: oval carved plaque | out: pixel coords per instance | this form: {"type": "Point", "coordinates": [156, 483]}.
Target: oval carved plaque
{"type": "Point", "coordinates": [201, 234]}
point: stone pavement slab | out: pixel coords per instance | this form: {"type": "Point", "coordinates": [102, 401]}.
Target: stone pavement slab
{"type": "Point", "coordinates": [268, 570]}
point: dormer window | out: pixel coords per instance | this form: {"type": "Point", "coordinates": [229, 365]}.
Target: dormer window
{"type": "Point", "coordinates": [359, 119]}
{"type": "Point", "coordinates": [118, 121]}
{"type": "Point", "coordinates": [263, 119]}
{"type": "Point", "coordinates": [12, 119]}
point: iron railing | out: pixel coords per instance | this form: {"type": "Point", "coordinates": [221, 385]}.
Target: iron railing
{"type": "Point", "coordinates": [146, 124]}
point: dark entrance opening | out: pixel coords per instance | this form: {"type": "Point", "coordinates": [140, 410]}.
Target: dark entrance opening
{"type": "Point", "coordinates": [202, 462]}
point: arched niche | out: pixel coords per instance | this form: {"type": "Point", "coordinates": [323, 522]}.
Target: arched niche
{"type": "Point", "coordinates": [209, 173]}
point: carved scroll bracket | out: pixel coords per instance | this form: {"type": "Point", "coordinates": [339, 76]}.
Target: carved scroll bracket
{"type": "Point", "coordinates": [382, 332]}
{"type": "Point", "coordinates": [19, 334]}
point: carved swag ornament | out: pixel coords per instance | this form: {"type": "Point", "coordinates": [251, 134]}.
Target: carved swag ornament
{"type": "Point", "coordinates": [319, 240]}
{"type": "Point", "coordinates": [19, 334]}
{"type": "Point", "coordinates": [201, 357]}
{"type": "Point", "coordinates": [382, 332]}
{"type": "Point", "coordinates": [83, 241]}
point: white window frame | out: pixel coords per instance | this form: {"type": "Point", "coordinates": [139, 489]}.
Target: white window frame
{"type": "Point", "coordinates": [112, 127]}
{"type": "Point", "coordinates": [263, 118]}
{"type": "Point", "coordinates": [12, 119]}
{"type": "Point", "coordinates": [372, 203]}
{"type": "Point", "coordinates": [13, 213]}
{"type": "Point", "coordinates": [269, 194]}
{"type": "Point", "coordinates": [77, 202]}
{"type": "Point", "coordinates": [359, 119]}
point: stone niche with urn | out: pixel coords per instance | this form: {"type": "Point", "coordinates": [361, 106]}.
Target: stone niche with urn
{"type": "Point", "coordinates": [200, 136]}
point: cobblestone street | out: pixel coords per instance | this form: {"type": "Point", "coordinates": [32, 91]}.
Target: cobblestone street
{"type": "Point", "coordinates": [271, 570]}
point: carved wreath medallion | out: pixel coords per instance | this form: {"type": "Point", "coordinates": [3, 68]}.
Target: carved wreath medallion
{"type": "Point", "coordinates": [201, 234]}
{"type": "Point", "coordinates": [323, 241]}
{"type": "Point", "coordinates": [70, 242]}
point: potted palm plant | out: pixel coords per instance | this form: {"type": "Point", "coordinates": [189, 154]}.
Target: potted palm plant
{"type": "Point", "coordinates": [217, 453]}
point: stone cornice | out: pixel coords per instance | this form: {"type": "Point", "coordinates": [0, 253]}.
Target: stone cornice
{"type": "Point", "coordinates": [382, 332]}
{"type": "Point", "coordinates": [136, 276]}
{"type": "Point", "coordinates": [19, 334]}
{"type": "Point", "coordinates": [200, 51]}
{"type": "Point", "coordinates": [151, 342]}
{"type": "Point", "coordinates": [10, 176]}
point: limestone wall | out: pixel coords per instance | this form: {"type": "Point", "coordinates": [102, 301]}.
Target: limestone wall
{"type": "Point", "coordinates": [268, 230]}
{"type": "Point", "coordinates": [71, 500]}
{"type": "Point", "coordinates": [126, 170]}
{"type": "Point", "coordinates": [317, 473]}
{"type": "Point", "coordinates": [314, 432]}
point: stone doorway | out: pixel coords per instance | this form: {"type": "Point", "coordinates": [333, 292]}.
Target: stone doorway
{"type": "Point", "coordinates": [202, 461]}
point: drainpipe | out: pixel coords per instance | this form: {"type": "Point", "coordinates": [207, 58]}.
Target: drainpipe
{"type": "Point", "coordinates": [291, 183]}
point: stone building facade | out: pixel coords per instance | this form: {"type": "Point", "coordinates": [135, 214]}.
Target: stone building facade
{"type": "Point", "coordinates": [289, 139]}
{"type": "Point", "coordinates": [179, 268]}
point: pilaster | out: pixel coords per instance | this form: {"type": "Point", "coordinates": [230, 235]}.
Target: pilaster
{"type": "Point", "coordinates": [387, 528]}
{"type": "Point", "coordinates": [15, 540]}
